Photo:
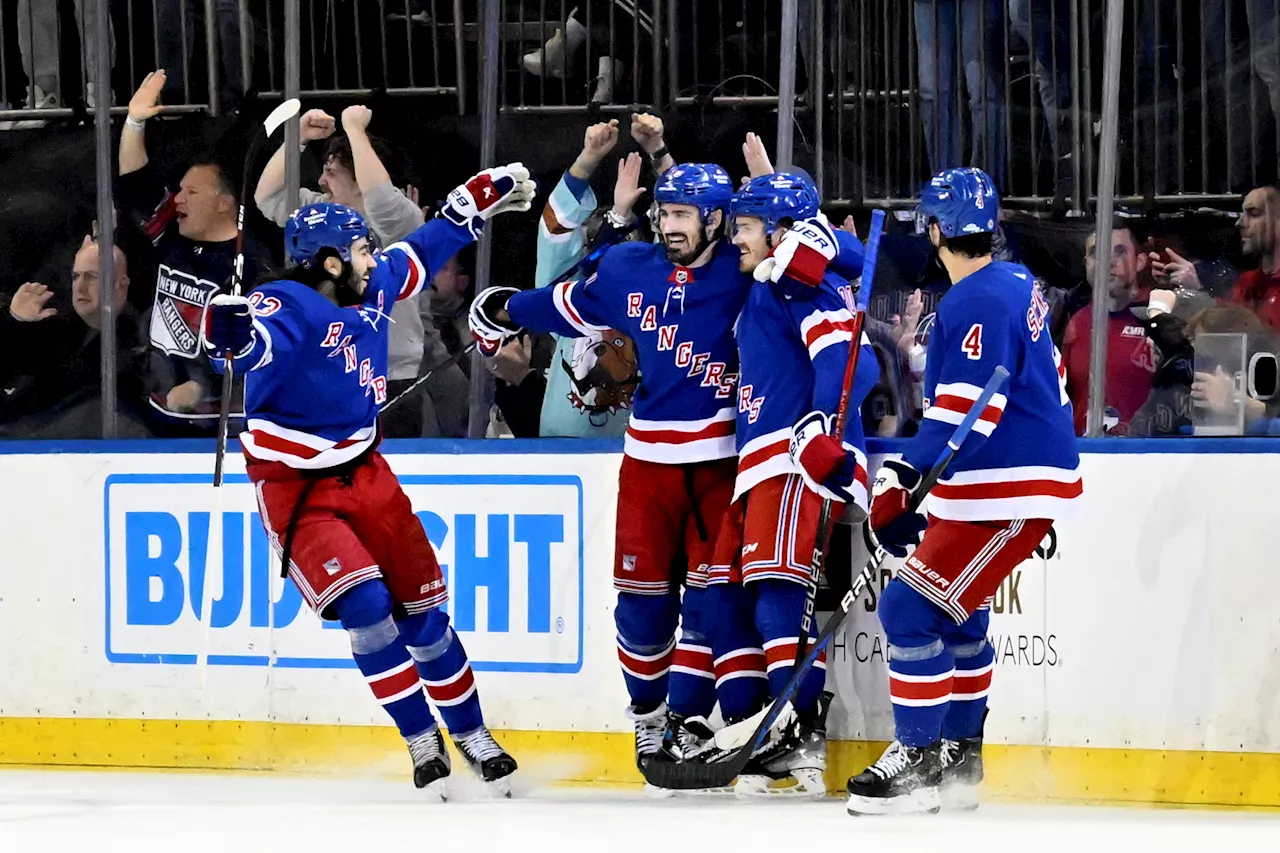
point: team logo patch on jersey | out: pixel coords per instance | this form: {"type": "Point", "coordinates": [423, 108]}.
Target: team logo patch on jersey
{"type": "Point", "coordinates": [628, 563]}
{"type": "Point", "coordinates": [333, 567]}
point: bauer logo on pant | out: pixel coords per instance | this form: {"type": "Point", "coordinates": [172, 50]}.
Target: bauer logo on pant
{"type": "Point", "coordinates": [510, 547]}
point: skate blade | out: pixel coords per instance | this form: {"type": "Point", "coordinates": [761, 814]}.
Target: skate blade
{"type": "Point", "coordinates": [803, 784]}
{"type": "Point", "coordinates": [499, 789]}
{"type": "Point", "coordinates": [437, 791]}
{"type": "Point", "coordinates": [959, 798]}
{"type": "Point", "coordinates": [922, 801]}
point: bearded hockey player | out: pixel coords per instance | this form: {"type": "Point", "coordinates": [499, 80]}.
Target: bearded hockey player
{"type": "Point", "coordinates": [677, 301]}
{"type": "Point", "coordinates": [1015, 474]}
{"type": "Point", "coordinates": [313, 347]}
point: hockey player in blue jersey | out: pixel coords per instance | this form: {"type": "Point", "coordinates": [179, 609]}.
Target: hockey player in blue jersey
{"type": "Point", "coordinates": [1016, 473]}
{"type": "Point", "coordinates": [312, 345]}
{"type": "Point", "coordinates": [678, 301]}
{"type": "Point", "coordinates": [793, 345]}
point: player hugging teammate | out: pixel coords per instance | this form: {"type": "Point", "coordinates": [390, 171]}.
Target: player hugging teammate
{"type": "Point", "coordinates": [680, 301]}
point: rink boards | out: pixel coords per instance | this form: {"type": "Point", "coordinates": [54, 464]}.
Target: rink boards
{"type": "Point", "coordinates": [1136, 655]}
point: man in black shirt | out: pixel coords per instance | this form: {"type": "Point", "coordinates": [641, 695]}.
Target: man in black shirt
{"type": "Point", "coordinates": [50, 360]}
{"type": "Point", "coordinates": [194, 235]}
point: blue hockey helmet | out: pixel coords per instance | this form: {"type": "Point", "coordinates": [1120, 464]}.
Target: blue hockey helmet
{"type": "Point", "coordinates": [772, 198]}
{"type": "Point", "coordinates": [705, 186]}
{"type": "Point", "coordinates": [324, 225]}
{"type": "Point", "coordinates": [961, 201]}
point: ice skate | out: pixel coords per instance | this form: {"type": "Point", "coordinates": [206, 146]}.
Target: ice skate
{"type": "Point", "coordinates": [961, 762]}
{"type": "Point", "coordinates": [487, 759]}
{"type": "Point", "coordinates": [799, 755]}
{"type": "Point", "coordinates": [904, 781]}
{"type": "Point", "coordinates": [431, 766]}
{"type": "Point", "coordinates": [650, 730]}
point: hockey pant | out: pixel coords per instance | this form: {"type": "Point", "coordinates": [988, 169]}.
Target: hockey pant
{"type": "Point", "coordinates": [935, 614]}
{"type": "Point", "coordinates": [360, 555]}
{"type": "Point", "coordinates": [667, 521]}
{"type": "Point", "coordinates": [758, 587]}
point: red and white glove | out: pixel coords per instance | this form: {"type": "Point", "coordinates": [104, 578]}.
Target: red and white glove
{"type": "Point", "coordinates": [893, 523]}
{"type": "Point", "coordinates": [803, 254]}
{"type": "Point", "coordinates": [484, 196]}
{"type": "Point", "coordinates": [489, 331]}
{"type": "Point", "coordinates": [824, 464]}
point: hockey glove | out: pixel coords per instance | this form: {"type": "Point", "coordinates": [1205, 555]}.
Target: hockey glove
{"type": "Point", "coordinates": [824, 464]}
{"type": "Point", "coordinates": [484, 196]}
{"type": "Point", "coordinates": [893, 524]}
{"type": "Point", "coordinates": [227, 330]}
{"type": "Point", "coordinates": [803, 254]}
{"type": "Point", "coordinates": [489, 331]}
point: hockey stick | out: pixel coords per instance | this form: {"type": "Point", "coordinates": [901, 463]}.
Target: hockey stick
{"type": "Point", "coordinates": [278, 116]}
{"type": "Point", "coordinates": [738, 742]}
{"type": "Point", "coordinates": [822, 537]}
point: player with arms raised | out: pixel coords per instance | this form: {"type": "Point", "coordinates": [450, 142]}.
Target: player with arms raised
{"type": "Point", "coordinates": [678, 301]}
{"type": "Point", "coordinates": [793, 344]}
{"type": "Point", "coordinates": [313, 347]}
{"type": "Point", "coordinates": [992, 507]}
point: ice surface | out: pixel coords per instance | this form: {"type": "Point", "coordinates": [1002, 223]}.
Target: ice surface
{"type": "Point", "coordinates": [90, 811]}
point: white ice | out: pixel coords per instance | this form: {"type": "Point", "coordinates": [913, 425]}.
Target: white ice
{"type": "Point", "coordinates": [87, 812]}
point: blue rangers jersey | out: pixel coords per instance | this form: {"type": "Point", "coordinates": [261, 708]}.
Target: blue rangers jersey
{"type": "Point", "coordinates": [318, 372]}
{"type": "Point", "coordinates": [681, 320]}
{"type": "Point", "coordinates": [1021, 460]}
{"type": "Point", "coordinates": [794, 346]}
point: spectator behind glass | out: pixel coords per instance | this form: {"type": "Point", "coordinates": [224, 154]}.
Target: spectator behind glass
{"type": "Point", "coordinates": [444, 314]}
{"type": "Point", "coordinates": [564, 232]}
{"type": "Point", "coordinates": [1130, 359]}
{"type": "Point", "coordinates": [180, 39]}
{"type": "Point", "coordinates": [193, 233]}
{"type": "Point", "coordinates": [1179, 389]}
{"type": "Point", "coordinates": [355, 174]}
{"type": "Point", "coordinates": [1257, 289]}
{"type": "Point", "coordinates": [38, 35]}
{"type": "Point", "coordinates": [50, 361]}
{"type": "Point", "coordinates": [982, 55]}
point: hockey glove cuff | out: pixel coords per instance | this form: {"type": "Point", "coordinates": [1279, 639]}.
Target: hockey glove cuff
{"type": "Point", "coordinates": [484, 196]}
{"type": "Point", "coordinates": [227, 327]}
{"type": "Point", "coordinates": [489, 331]}
{"type": "Point", "coordinates": [824, 464]}
{"type": "Point", "coordinates": [804, 253]}
{"type": "Point", "coordinates": [893, 524]}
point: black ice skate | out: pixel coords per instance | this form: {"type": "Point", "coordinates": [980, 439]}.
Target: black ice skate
{"type": "Point", "coordinates": [430, 762]}
{"type": "Point", "coordinates": [487, 760]}
{"type": "Point", "coordinates": [650, 729]}
{"type": "Point", "coordinates": [800, 754]}
{"type": "Point", "coordinates": [904, 781]}
{"type": "Point", "coordinates": [961, 762]}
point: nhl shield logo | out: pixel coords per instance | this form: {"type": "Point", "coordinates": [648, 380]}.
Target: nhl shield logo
{"type": "Point", "coordinates": [628, 563]}
{"type": "Point", "coordinates": [333, 567]}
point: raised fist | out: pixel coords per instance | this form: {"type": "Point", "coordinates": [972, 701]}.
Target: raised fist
{"type": "Point", "coordinates": [356, 118]}
{"type": "Point", "coordinates": [646, 130]}
{"type": "Point", "coordinates": [315, 125]}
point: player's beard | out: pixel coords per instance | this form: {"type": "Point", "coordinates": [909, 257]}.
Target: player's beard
{"type": "Point", "coordinates": [689, 255]}
{"type": "Point", "coordinates": [348, 291]}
